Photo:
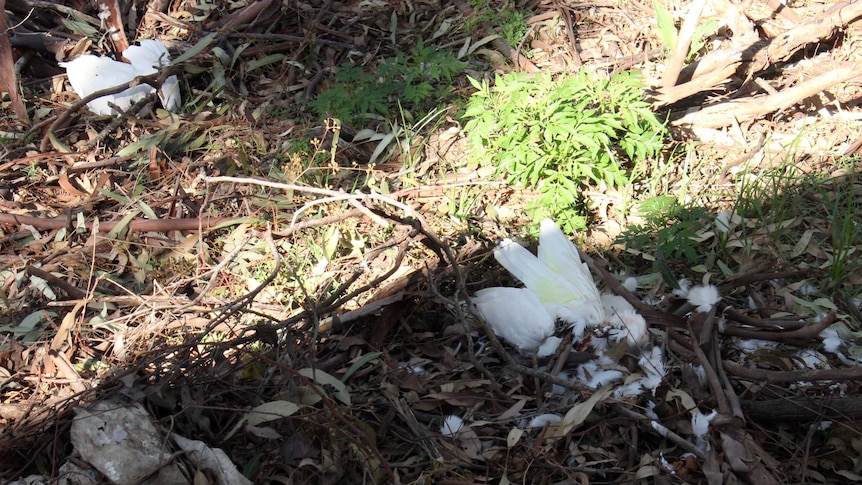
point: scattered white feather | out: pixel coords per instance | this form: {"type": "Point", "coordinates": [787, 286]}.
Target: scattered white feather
{"type": "Point", "coordinates": [700, 427]}
{"type": "Point", "coordinates": [593, 376]}
{"type": "Point", "coordinates": [652, 364]}
{"type": "Point", "coordinates": [631, 284]}
{"type": "Point", "coordinates": [752, 305]}
{"type": "Point", "coordinates": [542, 420]}
{"type": "Point", "coordinates": [810, 359]}
{"type": "Point", "coordinates": [700, 372]}
{"type": "Point", "coordinates": [808, 289]}
{"type": "Point", "coordinates": [703, 297]}
{"type": "Point", "coordinates": [549, 346]}
{"type": "Point", "coordinates": [649, 410]}
{"type": "Point", "coordinates": [558, 390]}
{"type": "Point", "coordinates": [749, 345]}
{"type": "Point", "coordinates": [631, 389]}
{"type": "Point", "coordinates": [832, 342]}
{"type": "Point", "coordinates": [516, 315]}
{"type": "Point", "coordinates": [651, 382]}
{"type": "Point", "coordinates": [823, 425]}
{"type": "Point", "coordinates": [660, 428]}
{"type": "Point", "coordinates": [684, 285]}
{"type": "Point", "coordinates": [666, 466]}
{"type": "Point", "coordinates": [722, 221]}
{"type": "Point", "coordinates": [452, 425]}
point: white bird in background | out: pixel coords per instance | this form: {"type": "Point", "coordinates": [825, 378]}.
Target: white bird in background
{"type": "Point", "coordinates": [88, 74]}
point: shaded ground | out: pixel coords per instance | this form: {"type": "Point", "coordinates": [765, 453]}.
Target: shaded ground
{"type": "Point", "coordinates": [310, 257]}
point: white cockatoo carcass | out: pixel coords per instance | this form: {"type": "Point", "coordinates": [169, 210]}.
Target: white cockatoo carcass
{"type": "Point", "coordinates": [557, 276]}
{"type": "Point", "coordinates": [88, 74]}
{"type": "Point", "coordinates": [559, 286]}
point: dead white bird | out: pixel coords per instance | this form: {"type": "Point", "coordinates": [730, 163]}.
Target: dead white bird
{"type": "Point", "coordinates": [557, 276]}
{"type": "Point", "coordinates": [88, 74]}
{"type": "Point", "coordinates": [558, 286]}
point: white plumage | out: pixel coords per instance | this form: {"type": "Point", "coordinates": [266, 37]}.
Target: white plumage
{"type": "Point", "coordinates": [703, 297]}
{"type": "Point", "coordinates": [628, 324]}
{"type": "Point", "coordinates": [150, 56]}
{"type": "Point", "coordinates": [88, 74]}
{"type": "Point", "coordinates": [516, 315]}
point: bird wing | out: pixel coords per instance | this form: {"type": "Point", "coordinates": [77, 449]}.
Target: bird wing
{"type": "Point", "coordinates": [148, 56]}
{"type": "Point", "coordinates": [88, 74]}
{"type": "Point", "coordinates": [557, 252]}
{"type": "Point", "coordinates": [516, 315]}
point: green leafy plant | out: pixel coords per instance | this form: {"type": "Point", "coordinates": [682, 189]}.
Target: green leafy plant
{"type": "Point", "coordinates": [671, 230]}
{"type": "Point", "coordinates": [417, 81]}
{"type": "Point", "coordinates": [561, 135]}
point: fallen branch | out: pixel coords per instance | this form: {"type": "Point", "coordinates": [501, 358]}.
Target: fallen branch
{"type": "Point", "coordinates": [791, 376]}
{"type": "Point", "coordinates": [136, 225]}
{"type": "Point", "coordinates": [725, 114]}
{"type": "Point", "coordinates": [805, 409]}
{"type": "Point", "coordinates": [800, 335]}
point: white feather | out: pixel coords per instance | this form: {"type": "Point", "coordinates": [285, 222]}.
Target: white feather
{"type": "Point", "coordinates": [452, 425]}
{"type": "Point", "coordinates": [88, 74]}
{"type": "Point", "coordinates": [544, 419]}
{"type": "Point", "coordinates": [832, 342]}
{"type": "Point", "coordinates": [652, 363]}
{"type": "Point", "coordinates": [703, 297]}
{"type": "Point", "coordinates": [558, 276]}
{"type": "Point", "coordinates": [592, 375]}
{"type": "Point", "coordinates": [557, 252]}
{"type": "Point", "coordinates": [628, 390]}
{"type": "Point", "coordinates": [700, 427]}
